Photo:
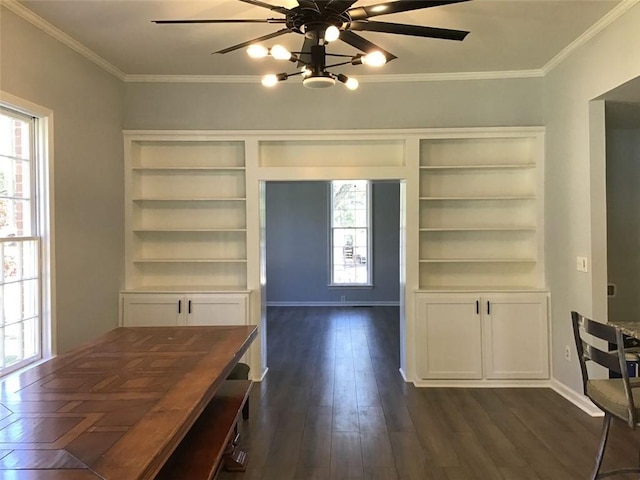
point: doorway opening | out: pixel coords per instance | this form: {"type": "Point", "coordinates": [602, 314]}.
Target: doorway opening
{"type": "Point", "coordinates": [297, 251]}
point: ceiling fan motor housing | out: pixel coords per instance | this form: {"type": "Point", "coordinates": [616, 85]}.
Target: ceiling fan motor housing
{"type": "Point", "coordinates": [312, 23]}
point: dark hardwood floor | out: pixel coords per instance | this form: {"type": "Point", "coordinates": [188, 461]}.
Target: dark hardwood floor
{"type": "Point", "coordinates": [334, 406]}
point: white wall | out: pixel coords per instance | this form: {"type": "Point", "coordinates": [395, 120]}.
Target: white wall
{"type": "Point", "coordinates": [88, 155]}
{"type": "Point", "coordinates": [575, 177]}
{"type": "Point", "coordinates": [461, 103]}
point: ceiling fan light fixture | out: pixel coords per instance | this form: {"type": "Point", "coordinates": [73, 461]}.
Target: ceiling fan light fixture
{"type": "Point", "coordinates": [319, 81]}
{"type": "Point", "coordinates": [257, 51]}
{"type": "Point", "coordinates": [374, 59]}
{"type": "Point", "coordinates": [280, 53]}
{"type": "Point", "coordinates": [331, 34]}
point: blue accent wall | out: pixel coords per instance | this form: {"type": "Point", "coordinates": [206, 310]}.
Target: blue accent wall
{"type": "Point", "coordinates": [297, 243]}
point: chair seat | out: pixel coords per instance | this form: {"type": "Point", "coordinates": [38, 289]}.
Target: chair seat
{"type": "Point", "coordinates": [609, 395]}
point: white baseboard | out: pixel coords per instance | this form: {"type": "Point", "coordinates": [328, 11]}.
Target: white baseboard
{"type": "Point", "coordinates": [261, 377]}
{"type": "Point", "coordinates": [334, 304]}
{"type": "Point", "coordinates": [578, 399]}
{"type": "Point", "coordinates": [483, 383]}
{"type": "Point", "coordinates": [404, 376]}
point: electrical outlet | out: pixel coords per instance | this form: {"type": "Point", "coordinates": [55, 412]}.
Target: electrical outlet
{"type": "Point", "coordinates": [567, 353]}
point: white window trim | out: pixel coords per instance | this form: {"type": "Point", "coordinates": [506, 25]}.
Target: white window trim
{"type": "Point", "coordinates": [43, 140]}
{"type": "Point", "coordinates": [369, 284]}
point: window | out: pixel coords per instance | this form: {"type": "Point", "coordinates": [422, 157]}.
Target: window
{"type": "Point", "coordinates": [20, 285]}
{"type": "Point", "coordinates": [351, 232]}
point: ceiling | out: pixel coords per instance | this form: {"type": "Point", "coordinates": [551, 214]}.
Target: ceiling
{"type": "Point", "coordinates": [506, 35]}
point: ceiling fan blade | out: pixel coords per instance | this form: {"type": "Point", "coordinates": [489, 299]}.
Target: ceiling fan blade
{"type": "Point", "coordinates": [414, 30]}
{"type": "Point", "coordinates": [274, 8]}
{"type": "Point", "coordinates": [245, 20]}
{"type": "Point", "coordinates": [309, 4]}
{"type": "Point", "coordinates": [362, 13]}
{"type": "Point", "coordinates": [254, 40]}
{"type": "Point", "coordinates": [339, 6]}
{"type": "Point", "coordinates": [363, 44]}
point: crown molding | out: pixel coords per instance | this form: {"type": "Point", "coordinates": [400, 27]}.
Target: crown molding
{"type": "Point", "coordinates": [423, 77]}
{"type": "Point", "coordinates": [22, 11]}
{"type": "Point", "coordinates": [596, 28]}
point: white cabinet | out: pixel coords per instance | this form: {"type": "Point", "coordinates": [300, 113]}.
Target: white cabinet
{"type": "Point", "coordinates": [152, 310]}
{"type": "Point", "coordinates": [186, 308]}
{"type": "Point", "coordinates": [489, 336]}
{"type": "Point", "coordinates": [449, 332]}
{"type": "Point", "coordinates": [515, 336]}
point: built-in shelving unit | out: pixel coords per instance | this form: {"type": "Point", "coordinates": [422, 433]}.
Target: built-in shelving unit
{"type": "Point", "coordinates": [186, 214]}
{"type": "Point", "coordinates": [480, 212]}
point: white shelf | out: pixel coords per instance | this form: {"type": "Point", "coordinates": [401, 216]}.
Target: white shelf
{"type": "Point", "coordinates": [479, 229]}
{"type": "Point", "coordinates": [189, 230]}
{"type": "Point", "coordinates": [190, 260]}
{"type": "Point", "coordinates": [480, 167]}
{"type": "Point", "coordinates": [192, 199]}
{"type": "Point", "coordinates": [190, 289]}
{"type": "Point", "coordinates": [478, 198]}
{"type": "Point", "coordinates": [186, 169]}
{"type": "Point", "coordinates": [478, 260]}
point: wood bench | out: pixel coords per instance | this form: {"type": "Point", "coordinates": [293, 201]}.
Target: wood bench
{"type": "Point", "coordinates": [213, 439]}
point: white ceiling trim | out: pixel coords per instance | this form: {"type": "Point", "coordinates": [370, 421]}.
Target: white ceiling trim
{"type": "Point", "coordinates": [423, 77]}
{"type": "Point", "coordinates": [59, 35]}
{"type": "Point", "coordinates": [596, 28]}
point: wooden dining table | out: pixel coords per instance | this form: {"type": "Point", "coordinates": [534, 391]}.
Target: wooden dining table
{"type": "Point", "coordinates": [129, 405]}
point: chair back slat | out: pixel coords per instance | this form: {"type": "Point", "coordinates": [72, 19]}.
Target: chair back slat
{"type": "Point", "coordinates": [605, 359]}
{"type": "Point", "coordinates": [600, 330]}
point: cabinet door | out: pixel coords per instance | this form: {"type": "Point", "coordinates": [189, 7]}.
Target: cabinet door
{"type": "Point", "coordinates": [142, 310]}
{"type": "Point", "coordinates": [217, 309]}
{"type": "Point", "coordinates": [449, 337]}
{"type": "Point", "coordinates": [516, 338]}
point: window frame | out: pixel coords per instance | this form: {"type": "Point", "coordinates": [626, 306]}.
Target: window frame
{"type": "Point", "coordinates": [41, 217]}
{"type": "Point", "coordinates": [369, 228]}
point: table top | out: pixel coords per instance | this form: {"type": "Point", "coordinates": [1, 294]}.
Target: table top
{"type": "Point", "coordinates": [628, 328]}
{"type": "Point", "coordinates": [115, 408]}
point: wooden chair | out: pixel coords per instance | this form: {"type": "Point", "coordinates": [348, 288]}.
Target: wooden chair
{"type": "Point", "coordinates": [616, 397]}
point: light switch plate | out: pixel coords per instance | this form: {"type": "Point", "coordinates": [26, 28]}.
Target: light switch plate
{"type": "Point", "coordinates": [581, 264]}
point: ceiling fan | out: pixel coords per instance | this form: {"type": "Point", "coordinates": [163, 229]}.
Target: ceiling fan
{"type": "Point", "coordinates": [324, 21]}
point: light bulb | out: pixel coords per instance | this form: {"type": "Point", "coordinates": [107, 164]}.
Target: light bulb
{"type": "Point", "coordinates": [305, 71]}
{"type": "Point", "coordinates": [269, 80]}
{"type": "Point", "coordinates": [352, 83]}
{"type": "Point", "coordinates": [280, 53]}
{"type": "Point", "coordinates": [331, 34]}
{"type": "Point", "coordinates": [374, 59]}
{"type": "Point", "coordinates": [257, 51]}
